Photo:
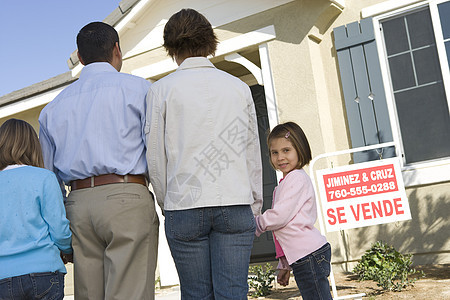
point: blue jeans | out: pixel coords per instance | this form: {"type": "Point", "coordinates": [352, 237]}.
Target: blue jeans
{"type": "Point", "coordinates": [211, 249]}
{"type": "Point", "coordinates": [43, 286]}
{"type": "Point", "coordinates": [311, 274]}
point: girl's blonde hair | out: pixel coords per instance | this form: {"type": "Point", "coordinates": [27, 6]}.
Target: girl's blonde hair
{"type": "Point", "coordinates": [292, 132]}
{"type": "Point", "coordinates": [19, 144]}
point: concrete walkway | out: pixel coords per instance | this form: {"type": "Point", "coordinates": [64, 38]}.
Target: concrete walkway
{"type": "Point", "coordinates": [172, 293]}
{"type": "Point", "coordinates": [168, 293]}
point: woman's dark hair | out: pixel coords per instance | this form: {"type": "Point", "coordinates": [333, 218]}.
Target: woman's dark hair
{"type": "Point", "coordinates": [188, 33]}
{"type": "Point", "coordinates": [292, 132]}
{"type": "Point", "coordinates": [19, 144]}
{"type": "Point", "coordinates": [96, 42]}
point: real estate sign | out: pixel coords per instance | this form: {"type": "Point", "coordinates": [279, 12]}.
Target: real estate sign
{"type": "Point", "coordinates": [363, 194]}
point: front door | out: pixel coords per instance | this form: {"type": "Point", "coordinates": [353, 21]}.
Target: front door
{"type": "Point", "coordinates": [263, 247]}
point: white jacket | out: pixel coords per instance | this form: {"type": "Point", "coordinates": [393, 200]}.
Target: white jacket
{"type": "Point", "coordinates": [202, 139]}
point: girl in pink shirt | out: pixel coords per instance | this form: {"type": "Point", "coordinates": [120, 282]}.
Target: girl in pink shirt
{"type": "Point", "coordinates": [299, 245]}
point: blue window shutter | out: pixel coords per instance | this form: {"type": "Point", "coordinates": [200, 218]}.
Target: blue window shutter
{"type": "Point", "coordinates": [361, 80]}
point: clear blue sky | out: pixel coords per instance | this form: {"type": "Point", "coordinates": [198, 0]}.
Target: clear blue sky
{"type": "Point", "coordinates": [38, 36]}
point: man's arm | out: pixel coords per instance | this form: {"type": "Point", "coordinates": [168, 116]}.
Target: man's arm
{"type": "Point", "coordinates": [48, 152]}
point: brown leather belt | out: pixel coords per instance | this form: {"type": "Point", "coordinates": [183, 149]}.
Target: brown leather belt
{"type": "Point", "coordinates": [107, 179]}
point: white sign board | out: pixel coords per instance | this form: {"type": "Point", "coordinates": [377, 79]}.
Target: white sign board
{"type": "Point", "coordinates": [363, 194]}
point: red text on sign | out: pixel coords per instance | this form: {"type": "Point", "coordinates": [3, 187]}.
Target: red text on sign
{"type": "Point", "coordinates": [366, 211]}
{"type": "Point", "coordinates": [336, 216]}
{"type": "Point", "coordinates": [360, 182]}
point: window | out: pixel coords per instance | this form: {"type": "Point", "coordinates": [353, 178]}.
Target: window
{"type": "Point", "coordinates": [417, 54]}
{"type": "Point", "coordinates": [395, 77]}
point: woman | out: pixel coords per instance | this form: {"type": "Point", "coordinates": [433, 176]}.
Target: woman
{"type": "Point", "coordinates": [205, 164]}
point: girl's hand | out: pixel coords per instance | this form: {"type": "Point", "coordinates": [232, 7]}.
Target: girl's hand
{"type": "Point", "coordinates": [283, 277]}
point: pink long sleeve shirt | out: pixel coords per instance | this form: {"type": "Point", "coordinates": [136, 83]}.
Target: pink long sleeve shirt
{"type": "Point", "coordinates": [292, 217]}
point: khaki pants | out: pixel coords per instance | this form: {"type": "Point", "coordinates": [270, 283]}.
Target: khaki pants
{"type": "Point", "coordinates": [115, 242]}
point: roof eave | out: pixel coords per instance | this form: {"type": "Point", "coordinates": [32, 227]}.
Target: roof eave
{"type": "Point", "coordinates": [37, 88]}
{"type": "Point", "coordinates": [112, 19]}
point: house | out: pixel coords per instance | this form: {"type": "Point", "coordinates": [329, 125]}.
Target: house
{"type": "Point", "coordinates": [351, 73]}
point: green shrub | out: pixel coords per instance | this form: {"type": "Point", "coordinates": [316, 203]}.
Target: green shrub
{"type": "Point", "coordinates": [261, 280]}
{"type": "Point", "coordinates": [385, 265]}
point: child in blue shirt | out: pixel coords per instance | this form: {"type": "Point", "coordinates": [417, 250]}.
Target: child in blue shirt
{"type": "Point", "coordinates": [34, 231]}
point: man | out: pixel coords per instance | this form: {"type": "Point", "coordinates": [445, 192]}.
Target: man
{"type": "Point", "coordinates": [93, 138]}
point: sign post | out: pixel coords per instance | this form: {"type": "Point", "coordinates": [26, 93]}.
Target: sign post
{"type": "Point", "coordinates": [359, 195]}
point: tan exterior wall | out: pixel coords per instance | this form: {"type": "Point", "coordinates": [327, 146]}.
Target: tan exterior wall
{"type": "Point", "coordinates": [31, 116]}
{"type": "Point", "coordinates": [307, 89]}
{"type": "Point", "coordinates": [307, 85]}
{"type": "Point", "coordinates": [291, 63]}
{"type": "Point", "coordinates": [425, 235]}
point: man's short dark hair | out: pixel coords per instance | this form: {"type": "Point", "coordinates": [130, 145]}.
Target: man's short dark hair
{"type": "Point", "coordinates": [188, 33]}
{"type": "Point", "coordinates": [96, 41]}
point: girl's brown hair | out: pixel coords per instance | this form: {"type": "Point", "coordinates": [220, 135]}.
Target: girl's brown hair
{"type": "Point", "coordinates": [292, 132]}
{"type": "Point", "coordinates": [19, 144]}
{"type": "Point", "coordinates": [188, 33]}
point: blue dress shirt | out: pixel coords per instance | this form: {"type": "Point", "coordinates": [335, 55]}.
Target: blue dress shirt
{"type": "Point", "coordinates": [96, 125]}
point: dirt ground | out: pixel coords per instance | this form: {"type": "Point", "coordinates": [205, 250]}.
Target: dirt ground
{"type": "Point", "coordinates": [435, 285]}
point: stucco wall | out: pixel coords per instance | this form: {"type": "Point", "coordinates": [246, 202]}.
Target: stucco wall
{"type": "Point", "coordinates": [31, 116]}
{"type": "Point", "coordinates": [307, 89]}
{"type": "Point", "coordinates": [425, 235]}
{"type": "Point", "coordinates": [307, 85]}
{"type": "Point", "coordinates": [291, 63]}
